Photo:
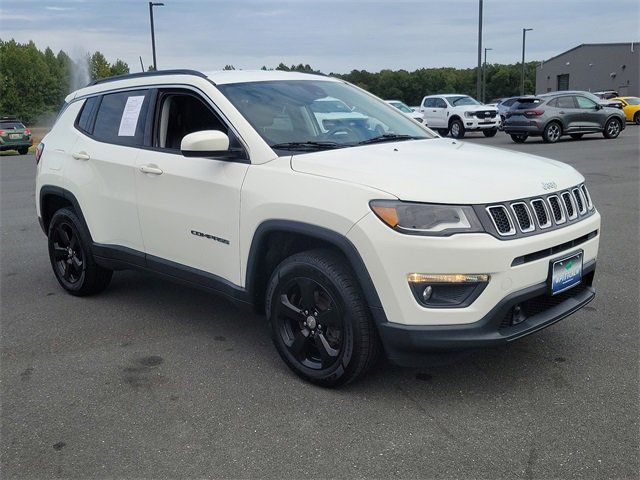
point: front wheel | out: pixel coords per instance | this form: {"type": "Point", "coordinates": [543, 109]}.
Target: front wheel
{"type": "Point", "coordinates": [71, 258]}
{"type": "Point", "coordinates": [490, 133]}
{"type": "Point", "coordinates": [443, 132]}
{"type": "Point", "coordinates": [612, 128]}
{"type": "Point", "coordinates": [319, 320]}
{"type": "Point", "coordinates": [636, 118]}
{"type": "Point", "coordinates": [457, 129]}
{"type": "Point", "coordinates": [519, 137]}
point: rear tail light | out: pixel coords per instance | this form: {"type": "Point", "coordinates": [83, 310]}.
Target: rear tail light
{"type": "Point", "coordinates": [533, 113]}
{"type": "Point", "coordinates": [27, 131]}
{"type": "Point", "coordinates": [39, 150]}
{"type": "Point", "coordinates": [2, 133]}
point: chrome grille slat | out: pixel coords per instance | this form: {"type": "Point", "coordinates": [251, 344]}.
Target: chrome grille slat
{"type": "Point", "coordinates": [557, 211]}
{"type": "Point", "coordinates": [542, 213]}
{"type": "Point", "coordinates": [569, 205]}
{"type": "Point", "coordinates": [587, 196]}
{"type": "Point", "coordinates": [523, 217]}
{"type": "Point", "coordinates": [580, 202]}
{"type": "Point", "coordinates": [501, 220]}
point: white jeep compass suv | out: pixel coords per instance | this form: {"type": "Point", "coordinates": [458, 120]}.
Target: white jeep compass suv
{"type": "Point", "coordinates": [352, 242]}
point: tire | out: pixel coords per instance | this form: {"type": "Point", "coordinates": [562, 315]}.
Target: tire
{"type": "Point", "coordinates": [490, 133]}
{"type": "Point", "coordinates": [636, 118]}
{"type": "Point", "coordinates": [457, 129]}
{"type": "Point", "coordinates": [23, 150]}
{"type": "Point", "coordinates": [576, 136]}
{"type": "Point", "coordinates": [319, 320]}
{"type": "Point", "coordinates": [443, 132]}
{"type": "Point", "coordinates": [612, 128]}
{"type": "Point", "coordinates": [71, 258]}
{"type": "Point", "coordinates": [519, 137]}
{"type": "Point", "coordinates": [552, 132]}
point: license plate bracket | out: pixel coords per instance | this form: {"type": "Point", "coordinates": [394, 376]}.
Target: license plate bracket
{"type": "Point", "coordinates": [565, 272]}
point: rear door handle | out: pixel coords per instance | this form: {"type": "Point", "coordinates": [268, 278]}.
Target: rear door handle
{"type": "Point", "coordinates": [152, 169]}
{"type": "Point", "coordinates": [81, 155]}
{"type": "Point", "coordinates": [561, 112]}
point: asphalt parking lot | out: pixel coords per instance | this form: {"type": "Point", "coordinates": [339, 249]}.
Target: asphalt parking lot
{"type": "Point", "coordinates": [153, 379]}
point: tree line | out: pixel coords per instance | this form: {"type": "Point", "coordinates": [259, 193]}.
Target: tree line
{"type": "Point", "coordinates": [34, 83]}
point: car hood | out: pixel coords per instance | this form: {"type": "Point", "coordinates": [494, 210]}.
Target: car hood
{"type": "Point", "coordinates": [476, 108]}
{"type": "Point", "coordinates": [441, 171]}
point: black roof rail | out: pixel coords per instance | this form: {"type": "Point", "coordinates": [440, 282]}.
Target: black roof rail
{"type": "Point", "coordinates": [147, 74]}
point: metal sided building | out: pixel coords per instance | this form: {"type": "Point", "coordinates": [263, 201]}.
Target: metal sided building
{"type": "Point", "coordinates": [592, 67]}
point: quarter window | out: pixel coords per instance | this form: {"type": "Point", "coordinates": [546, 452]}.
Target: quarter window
{"type": "Point", "coordinates": [86, 114]}
{"type": "Point", "coordinates": [585, 103]}
{"type": "Point", "coordinates": [121, 118]}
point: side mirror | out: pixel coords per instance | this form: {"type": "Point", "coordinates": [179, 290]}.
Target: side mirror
{"type": "Point", "coordinates": [210, 143]}
{"type": "Point", "coordinates": [599, 106]}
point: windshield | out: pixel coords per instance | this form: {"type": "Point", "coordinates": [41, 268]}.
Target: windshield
{"type": "Point", "coordinates": [11, 126]}
{"type": "Point", "coordinates": [462, 100]}
{"type": "Point", "coordinates": [401, 106]}
{"type": "Point", "coordinates": [632, 100]}
{"type": "Point", "coordinates": [318, 114]}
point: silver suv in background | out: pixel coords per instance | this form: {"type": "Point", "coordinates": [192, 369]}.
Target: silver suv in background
{"type": "Point", "coordinates": [554, 115]}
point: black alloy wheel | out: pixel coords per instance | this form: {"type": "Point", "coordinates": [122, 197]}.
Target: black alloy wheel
{"type": "Point", "coordinates": [68, 257]}
{"type": "Point", "coordinates": [319, 321]}
{"type": "Point", "coordinates": [612, 128]}
{"type": "Point", "coordinates": [519, 137]}
{"type": "Point", "coordinates": [310, 324]}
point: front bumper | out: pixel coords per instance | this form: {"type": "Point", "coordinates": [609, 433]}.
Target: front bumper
{"type": "Point", "coordinates": [407, 344]}
{"type": "Point", "coordinates": [474, 123]}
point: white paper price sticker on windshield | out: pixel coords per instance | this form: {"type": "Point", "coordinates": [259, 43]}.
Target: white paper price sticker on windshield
{"type": "Point", "coordinates": [130, 115]}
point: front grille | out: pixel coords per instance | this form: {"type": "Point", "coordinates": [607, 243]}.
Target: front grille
{"type": "Point", "coordinates": [521, 212]}
{"type": "Point", "coordinates": [486, 114]}
{"type": "Point", "coordinates": [501, 220]}
{"type": "Point", "coordinates": [568, 205]}
{"type": "Point", "coordinates": [532, 215]}
{"type": "Point", "coordinates": [540, 304]}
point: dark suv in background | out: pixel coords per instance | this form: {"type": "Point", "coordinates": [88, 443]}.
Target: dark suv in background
{"type": "Point", "coordinates": [554, 115]}
{"type": "Point", "coordinates": [14, 135]}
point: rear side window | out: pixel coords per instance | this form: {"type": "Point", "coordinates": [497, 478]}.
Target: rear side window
{"type": "Point", "coordinates": [525, 103]}
{"type": "Point", "coordinates": [85, 118]}
{"type": "Point", "coordinates": [566, 102]}
{"type": "Point", "coordinates": [121, 118]}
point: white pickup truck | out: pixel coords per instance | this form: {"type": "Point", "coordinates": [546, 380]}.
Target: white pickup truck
{"type": "Point", "coordinates": [457, 114]}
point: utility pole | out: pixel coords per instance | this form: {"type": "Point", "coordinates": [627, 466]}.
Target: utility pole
{"type": "Point", "coordinates": [524, 37]}
{"type": "Point", "coordinates": [478, 79]}
{"type": "Point", "coordinates": [153, 35]}
{"type": "Point", "coordinates": [484, 76]}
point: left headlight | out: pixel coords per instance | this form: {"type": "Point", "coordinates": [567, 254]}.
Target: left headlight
{"type": "Point", "coordinates": [427, 218]}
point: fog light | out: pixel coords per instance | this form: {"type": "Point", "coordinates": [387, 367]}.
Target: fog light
{"type": "Point", "coordinates": [447, 290]}
{"type": "Point", "coordinates": [426, 293]}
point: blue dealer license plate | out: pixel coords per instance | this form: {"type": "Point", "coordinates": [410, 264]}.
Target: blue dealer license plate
{"type": "Point", "coordinates": [566, 273]}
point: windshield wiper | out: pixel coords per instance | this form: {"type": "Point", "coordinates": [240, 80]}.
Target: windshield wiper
{"type": "Point", "coordinates": [311, 145]}
{"type": "Point", "coordinates": [387, 137]}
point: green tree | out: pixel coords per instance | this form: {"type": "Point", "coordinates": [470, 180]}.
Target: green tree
{"type": "Point", "coordinates": [98, 66]}
{"type": "Point", "coordinates": [119, 68]}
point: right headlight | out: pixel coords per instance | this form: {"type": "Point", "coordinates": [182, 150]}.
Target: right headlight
{"type": "Point", "coordinates": [429, 219]}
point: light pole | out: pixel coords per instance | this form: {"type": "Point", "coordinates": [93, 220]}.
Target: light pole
{"type": "Point", "coordinates": [524, 37]}
{"type": "Point", "coordinates": [479, 49]}
{"type": "Point", "coordinates": [484, 76]}
{"type": "Point", "coordinates": [153, 35]}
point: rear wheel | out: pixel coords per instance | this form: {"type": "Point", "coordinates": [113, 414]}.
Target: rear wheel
{"type": "Point", "coordinates": [612, 128]}
{"type": "Point", "coordinates": [552, 132]}
{"type": "Point", "coordinates": [636, 118]}
{"type": "Point", "coordinates": [577, 136]}
{"type": "Point", "coordinates": [443, 132]}
{"type": "Point", "coordinates": [519, 137]}
{"type": "Point", "coordinates": [71, 258]}
{"type": "Point", "coordinates": [457, 129]}
{"type": "Point", "coordinates": [319, 321]}
{"type": "Point", "coordinates": [490, 133]}
{"type": "Point", "coordinates": [23, 150]}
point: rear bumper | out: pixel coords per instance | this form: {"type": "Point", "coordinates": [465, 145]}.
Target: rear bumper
{"type": "Point", "coordinates": [532, 130]}
{"type": "Point", "coordinates": [406, 344]}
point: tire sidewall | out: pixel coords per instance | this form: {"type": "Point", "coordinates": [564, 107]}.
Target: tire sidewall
{"type": "Point", "coordinates": [606, 128]}
{"type": "Point", "coordinates": [460, 128]}
{"type": "Point", "coordinates": [287, 271]}
{"type": "Point", "coordinates": [545, 134]}
{"type": "Point", "coordinates": [636, 118]}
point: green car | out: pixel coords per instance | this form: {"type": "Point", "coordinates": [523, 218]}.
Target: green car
{"type": "Point", "coordinates": [14, 136]}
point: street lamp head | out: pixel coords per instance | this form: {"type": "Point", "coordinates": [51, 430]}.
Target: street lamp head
{"type": "Point", "coordinates": [156, 4]}
{"type": "Point", "coordinates": [527, 29]}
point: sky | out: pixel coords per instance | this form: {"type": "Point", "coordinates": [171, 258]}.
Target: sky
{"type": "Point", "coordinates": [332, 36]}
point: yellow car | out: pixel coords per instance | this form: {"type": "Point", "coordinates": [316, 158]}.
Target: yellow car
{"type": "Point", "coordinates": [631, 108]}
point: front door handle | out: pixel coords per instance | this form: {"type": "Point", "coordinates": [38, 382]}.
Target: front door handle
{"type": "Point", "coordinates": [152, 169]}
{"type": "Point", "coordinates": [561, 112]}
{"type": "Point", "coordinates": [81, 155]}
